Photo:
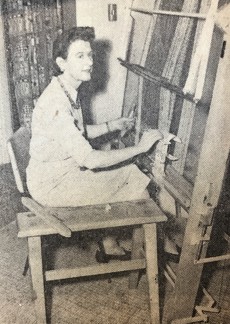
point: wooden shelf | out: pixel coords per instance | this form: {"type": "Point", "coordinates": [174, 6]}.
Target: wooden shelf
{"type": "Point", "coordinates": [158, 80]}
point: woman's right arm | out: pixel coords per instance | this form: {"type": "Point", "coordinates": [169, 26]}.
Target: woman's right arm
{"type": "Point", "coordinates": [100, 159]}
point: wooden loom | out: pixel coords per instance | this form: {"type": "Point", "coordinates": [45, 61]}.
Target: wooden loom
{"type": "Point", "coordinates": [197, 192]}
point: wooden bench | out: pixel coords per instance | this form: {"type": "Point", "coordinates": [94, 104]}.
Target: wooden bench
{"type": "Point", "coordinates": [140, 215]}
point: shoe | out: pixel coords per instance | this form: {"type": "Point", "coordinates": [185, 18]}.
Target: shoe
{"type": "Point", "coordinates": [102, 257]}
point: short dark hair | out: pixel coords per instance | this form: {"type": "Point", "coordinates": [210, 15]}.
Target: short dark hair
{"type": "Point", "coordinates": [66, 38]}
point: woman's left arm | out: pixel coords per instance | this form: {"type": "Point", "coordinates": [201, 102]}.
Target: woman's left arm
{"type": "Point", "coordinates": [119, 124]}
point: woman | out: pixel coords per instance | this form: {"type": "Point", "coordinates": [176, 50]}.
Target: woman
{"type": "Point", "coordinates": [61, 170]}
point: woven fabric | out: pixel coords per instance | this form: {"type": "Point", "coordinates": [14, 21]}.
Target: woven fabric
{"type": "Point", "coordinates": [30, 26]}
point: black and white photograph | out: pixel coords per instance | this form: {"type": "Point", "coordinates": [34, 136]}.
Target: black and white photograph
{"type": "Point", "coordinates": [114, 161]}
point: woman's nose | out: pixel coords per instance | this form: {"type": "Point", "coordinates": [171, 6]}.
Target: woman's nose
{"type": "Point", "coordinates": [89, 60]}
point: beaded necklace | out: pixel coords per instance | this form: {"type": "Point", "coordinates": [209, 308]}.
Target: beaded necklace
{"type": "Point", "coordinates": [75, 105]}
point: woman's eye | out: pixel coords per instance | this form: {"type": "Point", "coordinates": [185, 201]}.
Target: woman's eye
{"type": "Point", "coordinates": [82, 56]}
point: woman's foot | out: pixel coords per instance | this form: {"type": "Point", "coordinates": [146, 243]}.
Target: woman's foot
{"type": "Point", "coordinates": [111, 246]}
{"type": "Point", "coordinates": [110, 250]}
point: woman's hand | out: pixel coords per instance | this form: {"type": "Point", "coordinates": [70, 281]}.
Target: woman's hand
{"type": "Point", "coordinates": [122, 124]}
{"type": "Point", "coordinates": [149, 138]}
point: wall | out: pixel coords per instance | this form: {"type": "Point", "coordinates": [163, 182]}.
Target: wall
{"type": "Point", "coordinates": [5, 115]}
{"type": "Point", "coordinates": [109, 76]}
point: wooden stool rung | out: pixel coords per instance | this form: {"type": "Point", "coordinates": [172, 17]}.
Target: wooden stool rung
{"type": "Point", "coordinates": [93, 270]}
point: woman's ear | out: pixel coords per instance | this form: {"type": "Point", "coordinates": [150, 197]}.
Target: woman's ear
{"type": "Point", "coordinates": [61, 63]}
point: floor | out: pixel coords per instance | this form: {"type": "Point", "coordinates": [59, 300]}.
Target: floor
{"type": "Point", "coordinates": [86, 301]}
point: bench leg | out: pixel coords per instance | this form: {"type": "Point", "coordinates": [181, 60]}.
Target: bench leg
{"type": "Point", "coordinates": [150, 236]}
{"type": "Point", "coordinates": [36, 268]}
{"type": "Point", "coordinates": [137, 247]}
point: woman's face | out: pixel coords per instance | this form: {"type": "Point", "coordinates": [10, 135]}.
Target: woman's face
{"type": "Point", "coordinates": [78, 65]}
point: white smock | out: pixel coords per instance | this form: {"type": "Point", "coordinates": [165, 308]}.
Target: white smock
{"type": "Point", "coordinates": [58, 148]}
